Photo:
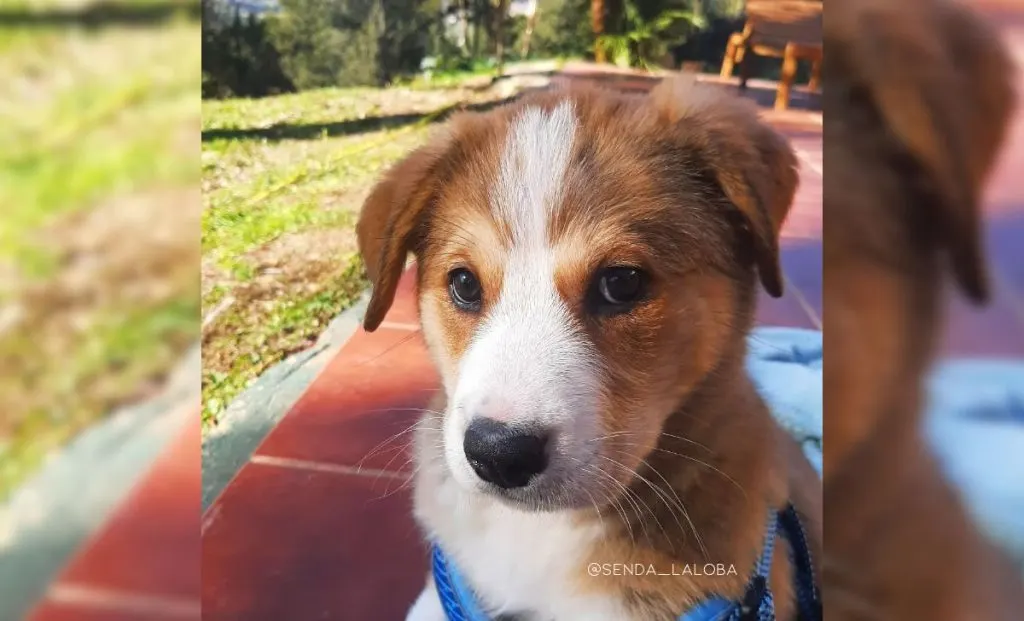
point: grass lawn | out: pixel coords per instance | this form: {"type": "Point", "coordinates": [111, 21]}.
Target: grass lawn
{"type": "Point", "coordinates": [99, 187]}
{"type": "Point", "coordinates": [283, 181]}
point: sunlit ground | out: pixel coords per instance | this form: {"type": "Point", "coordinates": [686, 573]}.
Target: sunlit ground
{"type": "Point", "coordinates": [99, 188]}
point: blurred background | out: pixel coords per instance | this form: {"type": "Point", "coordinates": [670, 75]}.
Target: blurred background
{"type": "Point", "coordinates": [177, 173]}
{"type": "Point", "coordinates": [99, 289]}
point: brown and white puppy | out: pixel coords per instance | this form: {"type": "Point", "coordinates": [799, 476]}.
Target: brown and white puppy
{"type": "Point", "coordinates": [587, 274]}
{"type": "Point", "coordinates": [917, 99]}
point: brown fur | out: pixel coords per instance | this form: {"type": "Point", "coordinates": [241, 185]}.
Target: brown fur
{"type": "Point", "coordinates": [689, 185]}
{"type": "Point", "coordinates": [916, 103]}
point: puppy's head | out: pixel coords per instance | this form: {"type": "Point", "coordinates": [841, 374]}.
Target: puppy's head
{"type": "Point", "coordinates": [917, 102]}
{"type": "Point", "coordinates": [585, 259]}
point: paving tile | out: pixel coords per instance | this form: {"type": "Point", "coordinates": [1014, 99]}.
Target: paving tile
{"type": "Point", "coordinates": [801, 262]}
{"type": "Point", "coordinates": [65, 612]}
{"type": "Point", "coordinates": [804, 106]}
{"type": "Point", "coordinates": [151, 544]}
{"type": "Point", "coordinates": [284, 544]}
{"type": "Point", "coordinates": [1005, 241]}
{"type": "Point", "coordinates": [803, 129]}
{"type": "Point", "coordinates": [808, 146]}
{"type": "Point", "coordinates": [994, 331]}
{"type": "Point", "coordinates": [404, 309]}
{"type": "Point", "coordinates": [785, 311]}
{"type": "Point", "coordinates": [794, 122]}
{"type": "Point", "coordinates": [371, 391]}
{"type": "Point", "coordinates": [805, 216]}
{"type": "Point", "coordinates": [1005, 188]}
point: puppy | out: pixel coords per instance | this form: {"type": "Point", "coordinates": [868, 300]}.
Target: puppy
{"type": "Point", "coordinates": [587, 268]}
{"type": "Point", "coordinates": [916, 103]}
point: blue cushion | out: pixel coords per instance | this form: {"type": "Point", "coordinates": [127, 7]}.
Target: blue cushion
{"type": "Point", "coordinates": [974, 422]}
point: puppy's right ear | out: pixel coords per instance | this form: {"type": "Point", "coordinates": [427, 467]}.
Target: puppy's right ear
{"type": "Point", "coordinates": [939, 79]}
{"type": "Point", "coordinates": [391, 219]}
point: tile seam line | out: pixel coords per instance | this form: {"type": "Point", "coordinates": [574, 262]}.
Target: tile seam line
{"type": "Point", "coordinates": [1014, 299]}
{"type": "Point", "coordinates": [805, 157]}
{"type": "Point", "coordinates": [804, 304]}
{"type": "Point", "coordinates": [400, 325]}
{"type": "Point", "coordinates": [308, 465]}
{"type": "Point", "coordinates": [303, 465]}
{"type": "Point", "coordinates": [85, 596]}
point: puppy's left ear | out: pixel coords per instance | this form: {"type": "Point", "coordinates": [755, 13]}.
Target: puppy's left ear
{"type": "Point", "coordinates": [754, 166]}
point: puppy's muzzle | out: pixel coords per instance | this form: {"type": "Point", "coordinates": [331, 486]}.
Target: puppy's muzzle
{"type": "Point", "coordinates": [505, 456]}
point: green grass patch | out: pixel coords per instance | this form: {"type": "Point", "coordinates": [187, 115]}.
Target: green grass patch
{"type": "Point", "coordinates": [98, 236]}
{"type": "Point", "coordinates": [310, 188]}
{"type": "Point", "coordinates": [261, 330]}
{"type": "Point", "coordinates": [101, 128]}
{"type": "Point", "coordinates": [123, 355]}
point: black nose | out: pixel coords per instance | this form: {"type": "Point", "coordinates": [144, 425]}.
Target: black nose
{"type": "Point", "coordinates": [502, 455]}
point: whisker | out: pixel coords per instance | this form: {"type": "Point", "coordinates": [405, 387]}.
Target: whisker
{"type": "Point", "coordinates": [698, 461]}
{"type": "Point", "coordinates": [671, 505]}
{"type": "Point", "coordinates": [381, 445]}
{"type": "Point", "coordinates": [640, 499]}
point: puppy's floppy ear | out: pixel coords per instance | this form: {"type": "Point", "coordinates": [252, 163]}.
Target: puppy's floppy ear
{"type": "Point", "coordinates": [753, 165]}
{"type": "Point", "coordinates": [939, 78]}
{"type": "Point", "coordinates": [390, 219]}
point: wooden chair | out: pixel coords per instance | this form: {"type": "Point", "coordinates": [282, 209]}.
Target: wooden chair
{"type": "Point", "coordinates": [787, 29]}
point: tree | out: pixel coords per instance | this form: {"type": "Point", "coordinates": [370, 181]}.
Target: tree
{"type": "Point", "coordinates": [238, 58]}
{"type": "Point", "coordinates": [403, 36]}
{"type": "Point", "coordinates": [562, 28]}
{"type": "Point", "coordinates": [647, 32]}
{"type": "Point", "coordinates": [500, 17]}
{"type": "Point", "coordinates": [350, 42]}
{"type": "Point", "coordinates": [311, 45]}
{"type": "Point", "coordinates": [597, 11]}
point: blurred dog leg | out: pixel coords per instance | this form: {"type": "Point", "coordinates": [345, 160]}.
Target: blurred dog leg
{"type": "Point", "coordinates": [917, 101]}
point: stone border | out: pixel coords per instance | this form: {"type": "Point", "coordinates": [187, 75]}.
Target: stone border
{"type": "Point", "coordinates": [53, 513]}
{"type": "Point", "coordinates": [244, 424]}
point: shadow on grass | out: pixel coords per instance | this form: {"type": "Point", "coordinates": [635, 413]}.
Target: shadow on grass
{"type": "Point", "coordinates": [101, 15]}
{"type": "Point", "coordinates": [763, 96]}
{"type": "Point", "coordinates": [312, 131]}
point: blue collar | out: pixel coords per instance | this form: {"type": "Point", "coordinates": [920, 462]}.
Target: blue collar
{"type": "Point", "coordinates": [460, 603]}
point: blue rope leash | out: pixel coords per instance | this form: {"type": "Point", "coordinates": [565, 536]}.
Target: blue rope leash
{"type": "Point", "coordinates": [808, 596]}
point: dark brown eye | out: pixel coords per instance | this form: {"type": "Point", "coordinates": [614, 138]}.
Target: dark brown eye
{"type": "Point", "coordinates": [464, 289]}
{"type": "Point", "coordinates": [617, 290]}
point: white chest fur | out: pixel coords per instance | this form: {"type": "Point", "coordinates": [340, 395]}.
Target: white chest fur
{"type": "Point", "coordinates": [517, 561]}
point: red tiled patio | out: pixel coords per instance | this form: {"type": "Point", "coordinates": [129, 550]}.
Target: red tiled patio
{"type": "Point", "coordinates": [143, 563]}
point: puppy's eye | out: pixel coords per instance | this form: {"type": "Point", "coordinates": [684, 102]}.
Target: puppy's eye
{"type": "Point", "coordinates": [617, 290]}
{"type": "Point", "coordinates": [464, 289]}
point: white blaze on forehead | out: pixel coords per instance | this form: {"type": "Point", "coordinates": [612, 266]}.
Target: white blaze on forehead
{"type": "Point", "coordinates": [528, 363]}
{"type": "Point", "coordinates": [533, 167]}
{"type": "Point", "coordinates": [528, 343]}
